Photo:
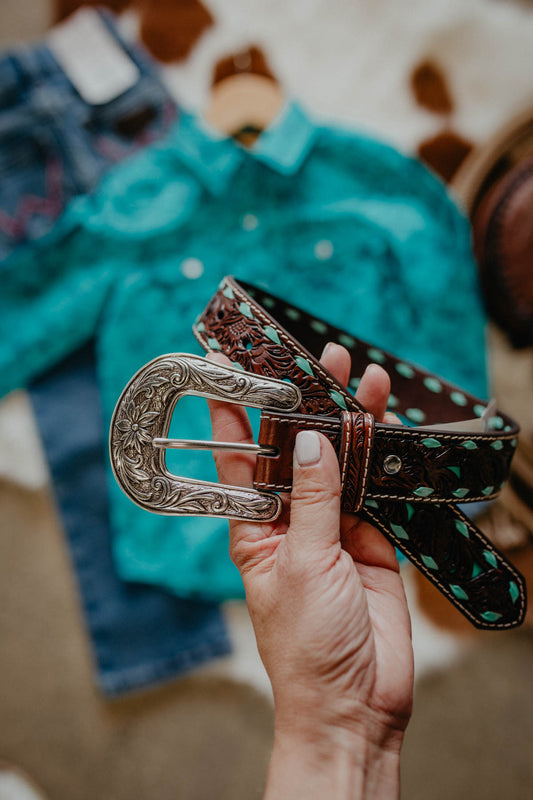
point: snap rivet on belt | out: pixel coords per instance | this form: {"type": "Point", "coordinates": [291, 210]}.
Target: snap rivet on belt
{"type": "Point", "coordinates": [392, 464]}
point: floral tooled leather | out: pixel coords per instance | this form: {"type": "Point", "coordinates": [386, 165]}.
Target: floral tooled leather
{"type": "Point", "coordinates": [355, 458]}
{"type": "Point", "coordinates": [414, 476]}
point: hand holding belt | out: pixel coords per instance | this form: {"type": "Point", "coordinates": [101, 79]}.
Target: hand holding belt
{"type": "Point", "coordinates": [405, 481]}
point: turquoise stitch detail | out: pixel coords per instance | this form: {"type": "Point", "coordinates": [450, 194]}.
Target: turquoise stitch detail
{"type": "Point", "coordinates": [318, 326]}
{"type": "Point", "coordinates": [458, 398]}
{"type": "Point", "coordinates": [514, 591]}
{"type": "Point", "coordinates": [228, 292]}
{"type": "Point", "coordinates": [245, 309]}
{"type": "Point", "coordinates": [433, 385]}
{"type": "Point", "coordinates": [200, 327]}
{"type": "Point", "coordinates": [479, 410]}
{"type": "Point", "coordinates": [460, 493]}
{"type": "Point", "coordinates": [371, 503]}
{"type": "Point", "coordinates": [430, 442]}
{"type": "Point", "coordinates": [376, 355]}
{"type": "Point", "coordinates": [400, 531]}
{"type": "Point", "coordinates": [429, 562]}
{"type": "Point", "coordinates": [423, 491]}
{"type": "Point", "coordinates": [393, 401]}
{"type": "Point", "coordinates": [354, 382]}
{"type": "Point", "coordinates": [404, 370]}
{"type": "Point", "coordinates": [487, 490]}
{"type": "Point", "coordinates": [272, 334]}
{"type": "Point", "coordinates": [469, 445]}
{"type": "Point", "coordinates": [410, 511]}
{"type": "Point", "coordinates": [496, 423]}
{"type": "Point", "coordinates": [415, 414]}
{"type": "Point", "coordinates": [491, 616]}
{"type": "Point", "coordinates": [476, 569]}
{"type": "Point", "coordinates": [497, 445]}
{"type": "Point", "coordinates": [338, 398]}
{"type": "Point", "coordinates": [455, 470]}
{"type": "Point", "coordinates": [292, 313]}
{"type": "Point", "coordinates": [462, 527]}
{"type": "Point", "coordinates": [213, 344]}
{"type": "Point", "coordinates": [304, 365]}
{"type": "Point", "coordinates": [458, 592]}
{"type": "Point", "coordinates": [490, 558]}
{"type": "Point", "coordinates": [347, 341]}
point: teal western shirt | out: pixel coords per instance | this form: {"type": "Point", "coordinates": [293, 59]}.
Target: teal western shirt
{"type": "Point", "coordinates": [338, 223]}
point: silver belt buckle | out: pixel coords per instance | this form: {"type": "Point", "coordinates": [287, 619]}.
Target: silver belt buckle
{"type": "Point", "coordinates": [139, 437]}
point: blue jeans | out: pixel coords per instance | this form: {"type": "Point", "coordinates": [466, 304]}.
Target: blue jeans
{"type": "Point", "coordinates": [140, 634]}
{"type": "Point", "coordinates": [54, 146]}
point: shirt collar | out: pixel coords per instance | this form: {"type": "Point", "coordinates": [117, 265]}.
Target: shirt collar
{"type": "Point", "coordinates": [214, 157]}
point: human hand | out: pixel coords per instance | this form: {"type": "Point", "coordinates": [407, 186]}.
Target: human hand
{"type": "Point", "coordinates": [329, 612]}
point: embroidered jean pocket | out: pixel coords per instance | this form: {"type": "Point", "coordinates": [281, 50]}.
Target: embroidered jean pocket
{"type": "Point", "coordinates": [31, 187]}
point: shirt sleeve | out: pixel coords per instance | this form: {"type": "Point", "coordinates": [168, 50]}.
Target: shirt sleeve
{"type": "Point", "coordinates": [50, 300]}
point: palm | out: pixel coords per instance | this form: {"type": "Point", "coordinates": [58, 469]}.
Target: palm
{"type": "Point", "coordinates": [363, 628]}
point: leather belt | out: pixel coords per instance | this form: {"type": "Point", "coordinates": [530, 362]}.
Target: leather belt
{"type": "Point", "coordinates": [407, 481]}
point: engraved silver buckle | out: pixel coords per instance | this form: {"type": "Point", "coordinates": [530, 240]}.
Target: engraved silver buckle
{"type": "Point", "coordinates": [140, 425]}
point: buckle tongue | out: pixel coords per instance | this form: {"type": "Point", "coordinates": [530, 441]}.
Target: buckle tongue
{"type": "Point", "coordinates": [140, 426]}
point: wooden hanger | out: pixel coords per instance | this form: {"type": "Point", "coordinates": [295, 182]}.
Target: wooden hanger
{"type": "Point", "coordinates": [246, 96]}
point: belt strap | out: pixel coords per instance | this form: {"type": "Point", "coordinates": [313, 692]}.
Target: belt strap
{"type": "Point", "coordinates": [407, 481]}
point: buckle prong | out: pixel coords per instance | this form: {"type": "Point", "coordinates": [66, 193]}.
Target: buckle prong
{"type": "Point", "coordinates": [199, 444]}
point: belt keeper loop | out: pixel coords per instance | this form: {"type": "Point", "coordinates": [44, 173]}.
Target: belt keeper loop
{"type": "Point", "coordinates": [354, 458]}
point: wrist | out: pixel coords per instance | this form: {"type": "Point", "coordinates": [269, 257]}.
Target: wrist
{"type": "Point", "coordinates": [334, 762]}
{"type": "Point", "coordinates": [337, 722]}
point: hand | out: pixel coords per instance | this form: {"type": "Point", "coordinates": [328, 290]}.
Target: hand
{"type": "Point", "coordinates": [328, 607]}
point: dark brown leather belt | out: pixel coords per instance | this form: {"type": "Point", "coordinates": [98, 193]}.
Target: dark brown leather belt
{"type": "Point", "coordinates": [407, 481]}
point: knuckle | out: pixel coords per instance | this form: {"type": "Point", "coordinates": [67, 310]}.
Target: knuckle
{"type": "Point", "coordinates": [315, 494]}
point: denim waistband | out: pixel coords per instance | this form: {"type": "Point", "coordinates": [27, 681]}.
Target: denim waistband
{"type": "Point", "coordinates": [27, 68]}
{"type": "Point", "coordinates": [55, 145]}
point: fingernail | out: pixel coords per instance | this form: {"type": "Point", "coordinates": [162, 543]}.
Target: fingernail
{"type": "Point", "coordinates": [325, 350]}
{"type": "Point", "coordinates": [391, 418]}
{"type": "Point", "coordinates": [307, 448]}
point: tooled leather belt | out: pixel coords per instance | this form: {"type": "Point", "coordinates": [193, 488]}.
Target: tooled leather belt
{"type": "Point", "coordinates": [407, 481]}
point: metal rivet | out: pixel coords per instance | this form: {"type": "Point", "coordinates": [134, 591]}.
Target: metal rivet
{"type": "Point", "coordinates": [392, 464]}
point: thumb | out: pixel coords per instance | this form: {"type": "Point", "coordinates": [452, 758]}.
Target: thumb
{"type": "Point", "coordinates": [315, 497]}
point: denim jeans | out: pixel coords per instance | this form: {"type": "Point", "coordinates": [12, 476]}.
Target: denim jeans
{"type": "Point", "coordinates": [140, 634]}
{"type": "Point", "coordinates": [54, 146]}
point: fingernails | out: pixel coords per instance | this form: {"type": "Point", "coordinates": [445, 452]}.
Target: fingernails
{"type": "Point", "coordinates": [372, 368]}
{"type": "Point", "coordinates": [307, 448]}
{"type": "Point", "coordinates": [391, 418]}
{"type": "Point", "coordinates": [325, 350]}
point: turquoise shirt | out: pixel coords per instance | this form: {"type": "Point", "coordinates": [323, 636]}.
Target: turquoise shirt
{"type": "Point", "coordinates": [340, 224]}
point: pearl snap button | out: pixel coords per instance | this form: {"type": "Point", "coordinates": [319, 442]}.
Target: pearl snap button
{"type": "Point", "coordinates": [192, 268]}
{"type": "Point", "coordinates": [249, 222]}
{"type": "Point", "coordinates": [323, 250]}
